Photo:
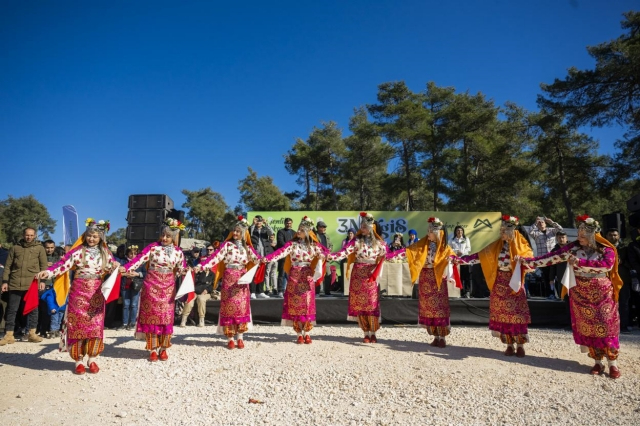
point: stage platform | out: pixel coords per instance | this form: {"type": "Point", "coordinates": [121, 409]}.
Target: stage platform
{"type": "Point", "coordinates": [402, 310]}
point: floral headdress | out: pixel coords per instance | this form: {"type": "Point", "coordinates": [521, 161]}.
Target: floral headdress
{"type": "Point", "coordinates": [510, 221]}
{"type": "Point", "coordinates": [242, 223]}
{"type": "Point", "coordinates": [134, 247]}
{"type": "Point", "coordinates": [174, 224]}
{"type": "Point", "coordinates": [100, 226]}
{"type": "Point", "coordinates": [307, 223]}
{"type": "Point", "coordinates": [367, 217]}
{"type": "Point", "coordinates": [588, 224]}
{"type": "Point", "coordinates": [435, 224]}
{"type": "Point", "coordinates": [397, 234]}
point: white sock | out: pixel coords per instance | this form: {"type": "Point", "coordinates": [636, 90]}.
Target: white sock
{"type": "Point", "coordinates": [299, 334]}
{"type": "Point", "coordinates": [78, 363]}
{"type": "Point", "coordinates": [239, 336]}
{"type": "Point", "coordinates": [230, 339]}
{"type": "Point", "coordinates": [520, 346]}
{"type": "Point", "coordinates": [600, 362]}
{"type": "Point", "coordinates": [369, 333]}
{"type": "Point", "coordinates": [90, 360]}
{"type": "Point", "coordinates": [612, 363]}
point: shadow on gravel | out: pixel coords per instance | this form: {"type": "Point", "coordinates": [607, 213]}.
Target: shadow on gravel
{"type": "Point", "coordinates": [36, 362]}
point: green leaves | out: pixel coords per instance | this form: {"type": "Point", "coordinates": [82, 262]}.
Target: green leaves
{"type": "Point", "coordinates": [19, 213]}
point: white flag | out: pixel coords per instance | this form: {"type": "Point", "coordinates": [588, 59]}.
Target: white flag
{"type": "Point", "coordinates": [187, 286]}
{"type": "Point", "coordinates": [319, 271]}
{"type": "Point", "coordinates": [569, 277]}
{"type": "Point", "coordinates": [108, 285]}
{"type": "Point", "coordinates": [248, 277]}
{"type": "Point", "coordinates": [516, 279]}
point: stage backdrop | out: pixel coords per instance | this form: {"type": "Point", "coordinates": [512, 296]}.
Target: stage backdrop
{"type": "Point", "coordinates": [481, 227]}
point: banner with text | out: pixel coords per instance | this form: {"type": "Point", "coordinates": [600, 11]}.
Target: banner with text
{"type": "Point", "coordinates": [482, 228]}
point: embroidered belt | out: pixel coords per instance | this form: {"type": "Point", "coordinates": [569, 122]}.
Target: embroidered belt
{"type": "Point", "coordinates": [590, 275]}
{"type": "Point", "coordinates": [300, 263]}
{"type": "Point", "coordinates": [89, 276]}
{"type": "Point", "coordinates": [234, 266]}
{"type": "Point", "coordinates": [427, 266]}
{"type": "Point", "coordinates": [367, 261]}
{"type": "Point", "coordinates": [505, 269]}
{"type": "Point", "coordinates": [162, 270]}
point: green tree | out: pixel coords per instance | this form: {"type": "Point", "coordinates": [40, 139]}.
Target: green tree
{"type": "Point", "coordinates": [298, 161]}
{"type": "Point", "coordinates": [261, 194]}
{"type": "Point", "coordinates": [19, 213]}
{"type": "Point", "coordinates": [327, 153]}
{"type": "Point", "coordinates": [607, 94]}
{"type": "Point", "coordinates": [208, 215]}
{"type": "Point", "coordinates": [364, 168]}
{"type": "Point", "coordinates": [117, 237]}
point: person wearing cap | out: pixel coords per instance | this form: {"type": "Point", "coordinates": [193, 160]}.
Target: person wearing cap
{"type": "Point", "coordinates": [509, 313]}
{"type": "Point", "coordinates": [156, 315]}
{"type": "Point", "coordinates": [365, 253]}
{"type": "Point", "coordinates": [85, 311]}
{"type": "Point", "coordinates": [234, 257]}
{"type": "Point", "coordinates": [593, 290]}
{"type": "Point", "coordinates": [428, 260]}
{"type": "Point", "coordinates": [302, 255]}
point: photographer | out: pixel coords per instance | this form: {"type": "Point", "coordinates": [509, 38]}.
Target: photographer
{"type": "Point", "coordinates": [261, 233]}
{"type": "Point", "coordinates": [545, 239]}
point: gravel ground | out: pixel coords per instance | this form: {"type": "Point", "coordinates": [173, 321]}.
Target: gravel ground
{"type": "Point", "coordinates": [334, 381]}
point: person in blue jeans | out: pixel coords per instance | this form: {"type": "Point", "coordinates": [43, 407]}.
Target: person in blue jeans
{"type": "Point", "coordinates": [56, 312]}
{"type": "Point", "coordinates": [130, 295]}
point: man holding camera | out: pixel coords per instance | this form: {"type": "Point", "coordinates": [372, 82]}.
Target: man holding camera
{"type": "Point", "coordinates": [545, 239]}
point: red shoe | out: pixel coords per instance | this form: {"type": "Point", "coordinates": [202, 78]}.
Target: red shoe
{"type": "Point", "coordinates": [366, 339]}
{"type": "Point", "coordinates": [153, 356]}
{"type": "Point", "coordinates": [442, 343]}
{"type": "Point", "coordinates": [240, 344]}
{"type": "Point", "coordinates": [520, 352]}
{"type": "Point", "coordinates": [93, 368]}
{"type": "Point", "coordinates": [509, 351]}
{"type": "Point", "coordinates": [80, 370]}
{"type": "Point", "coordinates": [614, 372]}
{"type": "Point", "coordinates": [373, 339]}
{"type": "Point", "coordinates": [307, 339]}
{"type": "Point", "coordinates": [231, 344]}
{"type": "Point", "coordinates": [435, 342]}
{"type": "Point", "coordinates": [300, 340]}
{"type": "Point", "coordinates": [597, 370]}
{"type": "Point", "coordinates": [163, 355]}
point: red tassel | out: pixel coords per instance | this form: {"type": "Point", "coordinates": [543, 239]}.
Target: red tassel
{"type": "Point", "coordinates": [456, 276]}
{"type": "Point", "coordinates": [31, 299]}
{"type": "Point", "coordinates": [376, 272]}
{"type": "Point", "coordinates": [259, 276]}
{"type": "Point", "coordinates": [115, 291]}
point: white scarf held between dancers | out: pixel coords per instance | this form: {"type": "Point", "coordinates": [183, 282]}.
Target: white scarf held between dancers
{"type": "Point", "coordinates": [569, 277]}
{"type": "Point", "coordinates": [247, 278]}
{"type": "Point", "coordinates": [516, 278]}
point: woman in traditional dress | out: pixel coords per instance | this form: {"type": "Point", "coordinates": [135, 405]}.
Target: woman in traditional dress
{"type": "Point", "coordinates": [593, 293]}
{"type": "Point", "coordinates": [302, 255]}
{"type": "Point", "coordinates": [509, 314]}
{"type": "Point", "coordinates": [428, 260]}
{"type": "Point", "coordinates": [234, 257]}
{"type": "Point", "coordinates": [157, 306]}
{"type": "Point", "coordinates": [91, 260]}
{"type": "Point", "coordinates": [366, 253]}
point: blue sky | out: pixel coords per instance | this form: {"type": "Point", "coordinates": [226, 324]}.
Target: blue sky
{"type": "Point", "coordinates": [100, 100]}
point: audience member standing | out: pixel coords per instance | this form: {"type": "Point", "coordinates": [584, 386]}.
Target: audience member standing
{"type": "Point", "coordinates": [545, 239]}
{"type": "Point", "coordinates": [324, 239]}
{"type": "Point", "coordinates": [624, 297]}
{"type": "Point", "coordinates": [25, 260]}
{"type": "Point", "coordinates": [413, 237]}
{"type": "Point", "coordinates": [260, 240]}
{"type": "Point", "coordinates": [283, 237]}
{"type": "Point", "coordinates": [44, 316]}
{"type": "Point", "coordinates": [461, 245]}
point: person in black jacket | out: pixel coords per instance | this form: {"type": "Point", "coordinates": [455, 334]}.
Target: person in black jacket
{"type": "Point", "coordinates": [556, 272]}
{"type": "Point", "coordinates": [203, 289]}
{"type": "Point", "coordinates": [283, 237]}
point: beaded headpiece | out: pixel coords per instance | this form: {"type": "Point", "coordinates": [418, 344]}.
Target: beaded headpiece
{"type": "Point", "coordinates": [435, 224]}
{"type": "Point", "coordinates": [587, 224]}
{"type": "Point", "coordinates": [307, 223]}
{"type": "Point", "coordinates": [510, 221]}
{"type": "Point", "coordinates": [367, 218]}
{"type": "Point", "coordinates": [242, 223]}
{"type": "Point", "coordinates": [100, 226]}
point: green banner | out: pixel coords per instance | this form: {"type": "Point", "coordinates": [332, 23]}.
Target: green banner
{"type": "Point", "coordinates": [482, 228]}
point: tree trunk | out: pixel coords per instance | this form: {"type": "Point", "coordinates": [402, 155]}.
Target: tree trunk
{"type": "Point", "coordinates": [563, 186]}
{"type": "Point", "coordinates": [407, 173]}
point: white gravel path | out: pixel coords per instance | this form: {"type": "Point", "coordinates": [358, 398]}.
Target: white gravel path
{"type": "Point", "coordinates": [334, 381]}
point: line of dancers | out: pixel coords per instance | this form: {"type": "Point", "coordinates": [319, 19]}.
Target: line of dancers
{"type": "Point", "coordinates": [592, 281]}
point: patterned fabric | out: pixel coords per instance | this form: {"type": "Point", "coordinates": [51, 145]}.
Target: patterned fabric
{"type": "Point", "coordinates": [230, 252]}
{"type": "Point", "coordinates": [592, 262]}
{"type": "Point", "coordinates": [508, 311]}
{"type": "Point", "coordinates": [595, 319]}
{"type": "Point", "coordinates": [369, 323]}
{"type": "Point", "coordinates": [164, 340]}
{"type": "Point", "coordinates": [300, 326]}
{"type": "Point", "coordinates": [157, 303]}
{"type": "Point", "coordinates": [433, 304]}
{"type": "Point", "coordinates": [363, 249]}
{"type": "Point", "coordinates": [91, 264]}
{"type": "Point", "coordinates": [158, 256]}
{"type": "Point", "coordinates": [232, 330]}
{"type": "Point", "coordinates": [91, 347]}
{"type": "Point", "coordinates": [599, 353]}
{"type": "Point", "coordinates": [299, 297]}
{"type": "Point", "coordinates": [519, 339]}
{"type": "Point", "coordinates": [235, 307]}
{"type": "Point", "coordinates": [85, 310]}
{"type": "Point", "coordinates": [363, 295]}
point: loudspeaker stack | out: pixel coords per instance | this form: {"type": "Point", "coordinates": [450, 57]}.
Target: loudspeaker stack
{"type": "Point", "coordinates": [146, 215]}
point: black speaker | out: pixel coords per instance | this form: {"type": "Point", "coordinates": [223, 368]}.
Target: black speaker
{"type": "Point", "coordinates": [614, 221]}
{"type": "Point", "coordinates": [143, 232]}
{"type": "Point", "coordinates": [136, 217]}
{"type": "Point", "coordinates": [633, 203]}
{"type": "Point", "coordinates": [634, 220]}
{"type": "Point", "coordinates": [176, 214]}
{"type": "Point", "coordinates": [149, 202]}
